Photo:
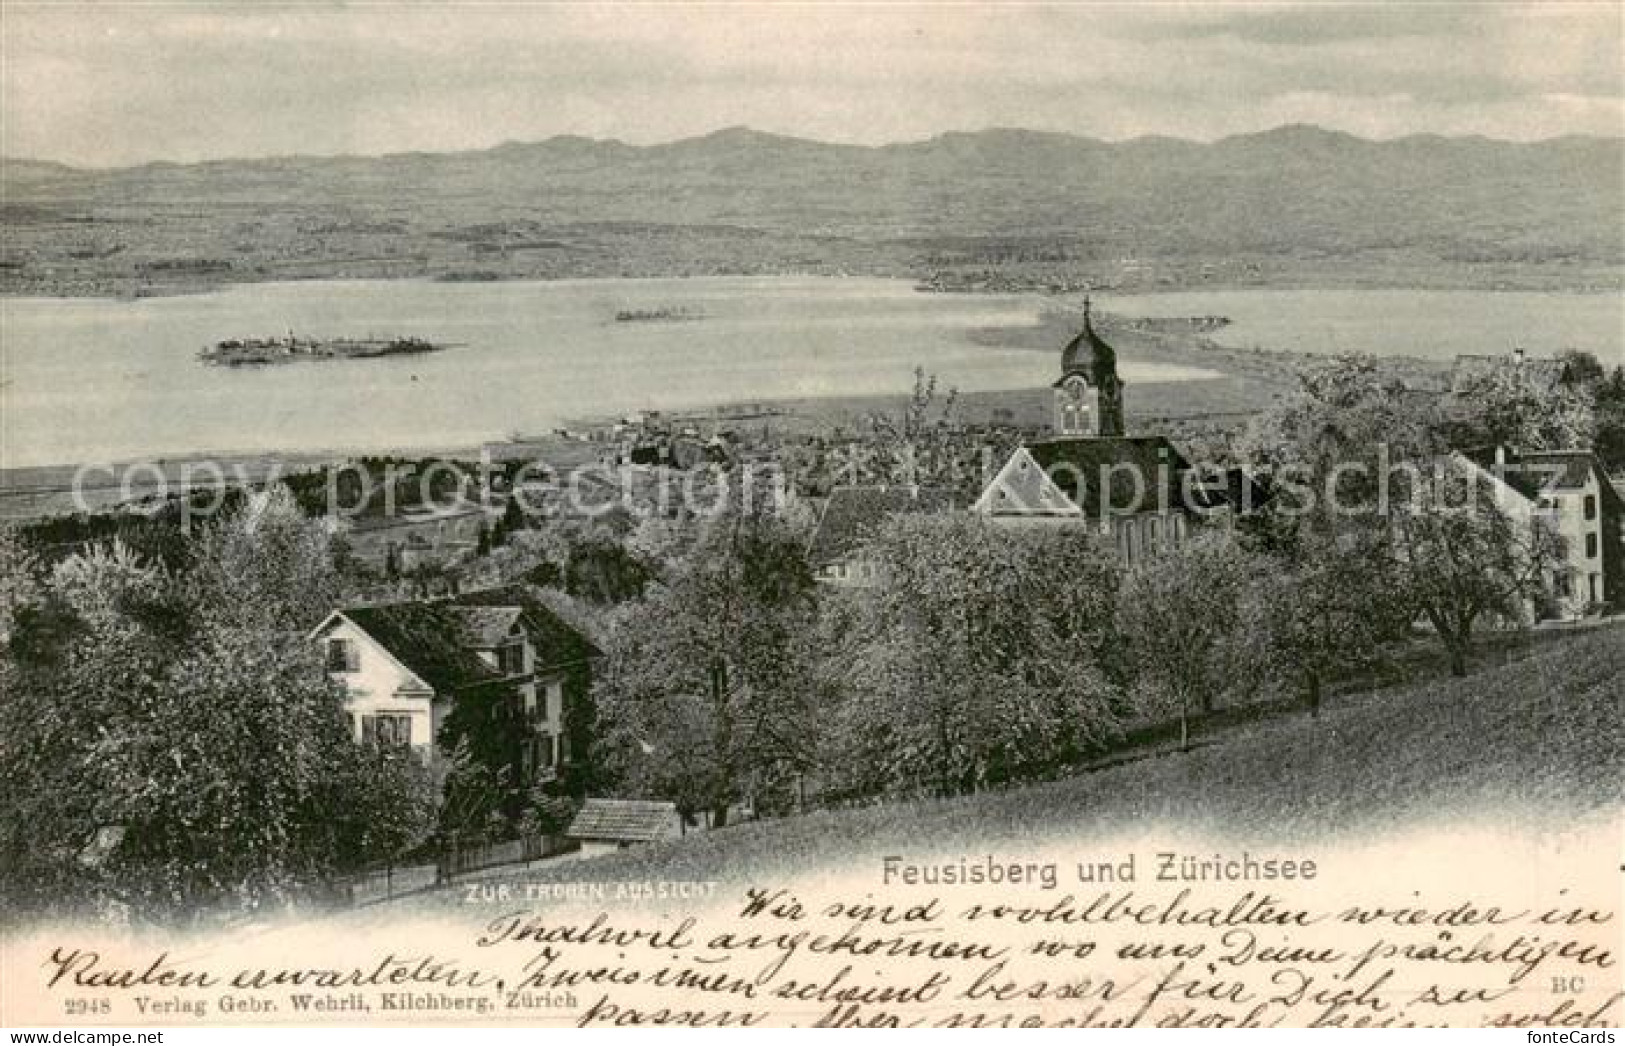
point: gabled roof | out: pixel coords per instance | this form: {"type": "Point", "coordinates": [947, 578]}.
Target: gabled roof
{"type": "Point", "coordinates": [1022, 488]}
{"type": "Point", "coordinates": [557, 643]}
{"type": "Point", "coordinates": [488, 627]}
{"type": "Point", "coordinates": [624, 821]}
{"type": "Point", "coordinates": [1143, 473]}
{"type": "Point", "coordinates": [428, 638]}
{"type": "Point", "coordinates": [851, 515]}
{"type": "Point", "coordinates": [1531, 473]}
{"type": "Point", "coordinates": [437, 639]}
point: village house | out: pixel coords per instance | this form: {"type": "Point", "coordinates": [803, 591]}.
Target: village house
{"type": "Point", "coordinates": [838, 551]}
{"type": "Point", "coordinates": [1568, 491]}
{"type": "Point", "coordinates": [501, 656]}
{"type": "Point", "coordinates": [1137, 491]}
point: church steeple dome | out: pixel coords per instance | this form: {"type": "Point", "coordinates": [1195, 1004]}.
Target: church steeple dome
{"type": "Point", "coordinates": [1088, 354]}
{"type": "Point", "coordinates": [1089, 372]}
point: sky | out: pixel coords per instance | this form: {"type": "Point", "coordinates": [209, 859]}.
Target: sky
{"type": "Point", "coordinates": [112, 84]}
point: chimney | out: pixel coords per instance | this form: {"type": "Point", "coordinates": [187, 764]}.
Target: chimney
{"type": "Point", "coordinates": [1517, 355]}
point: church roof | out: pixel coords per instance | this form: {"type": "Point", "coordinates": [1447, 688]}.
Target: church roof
{"type": "Point", "coordinates": [1088, 354]}
{"type": "Point", "coordinates": [1141, 472]}
{"type": "Point", "coordinates": [1099, 476]}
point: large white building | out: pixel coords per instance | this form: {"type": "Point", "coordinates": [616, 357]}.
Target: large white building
{"type": "Point", "coordinates": [499, 654]}
{"type": "Point", "coordinates": [1567, 491]}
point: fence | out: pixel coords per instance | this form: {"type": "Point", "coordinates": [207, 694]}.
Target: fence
{"type": "Point", "coordinates": [386, 882]}
{"type": "Point", "coordinates": [460, 860]}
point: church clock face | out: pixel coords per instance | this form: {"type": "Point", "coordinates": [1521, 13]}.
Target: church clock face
{"type": "Point", "coordinates": [1074, 406]}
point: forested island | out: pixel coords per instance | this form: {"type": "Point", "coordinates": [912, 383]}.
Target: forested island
{"type": "Point", "coordinates": [249, 352]}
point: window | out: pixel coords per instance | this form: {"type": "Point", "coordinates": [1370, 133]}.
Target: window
{"type": "Point", "coordinates": [511, 659]}
{"type": "Point", "coordinates": [1591, 506]}
{"type": "Point", "coordinates": [1596, 588]}
{"type": "Point", "coordinates": [1154, 539]}
{"type": "Point", "coordinates": [1591, 546]}
{"type": "Point", "coordinates": [387, 729]}
{"type": "Point", "coordinates": [542, 752]}
{"type": "Point", "coordinates": [343, 655]}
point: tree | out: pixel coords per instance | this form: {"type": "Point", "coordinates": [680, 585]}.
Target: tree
{"type": "Point", "coordinates": [705, 698]}
{"type": "Point", "coordinates": [265, 566]}
{"type": "Point", "coordinates": [1610, 417]}
{"type": "Point", "coordinates": [242, 784]}
{"type": "Point", "coordinates": [188, 716]}
{"type": "Point", "coordinates": [1505, 406]}
{"type": "Point", "coordinates": [1176, 615]}
{"type": "Point", "coordinates": [19, 578]}
{"type": "Point", "coordinates": [512, 522]}
{"type": "Point", "coordinates": [1331, 606]}
{"type": "Point", "coordinates": [477, 790]}
{"type": "Point", "coordinates": [83, 662]}
{"type": "Point", "coordinates": [1330, 448]}
{"type": "Point", "coordinates": [1350, 443]}
{"type": "Point", "coordinates": [976, 658]}
{"type": "Point", "coordinates": [1459, 558]}
{"type": "Point", "coordinates": [1583, 367]}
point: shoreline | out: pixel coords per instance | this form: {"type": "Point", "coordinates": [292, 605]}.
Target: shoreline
{"type": "Point", "coordinates": [1245, 381]}
{"type": "Point", "coordinates": [1599, 279]}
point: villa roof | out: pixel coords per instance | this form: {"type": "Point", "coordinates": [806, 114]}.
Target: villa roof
{"type": "Point", "coordinates": [428, 638]}
{"type": "Point", "coordinates": [487, 627]}
{"type": "Point", "coordinates": [557, 642]}
{"type": "Point", "coordinates": [438, 639]}
{"type": "Point", "coordinates": [1532, 473]}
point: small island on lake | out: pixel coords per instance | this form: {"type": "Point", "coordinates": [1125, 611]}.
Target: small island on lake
{"type": "Point", "coordinates": [242, 352]}
{"type": "Point", "coordinates": [660, 314]}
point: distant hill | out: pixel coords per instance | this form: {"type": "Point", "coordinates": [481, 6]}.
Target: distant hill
{"type": "Point", "coordinates": [986, 197]}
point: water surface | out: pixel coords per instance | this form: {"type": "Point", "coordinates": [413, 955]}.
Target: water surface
{"type": "Point", "coordinates": [1431, 324]}
{"type": "Point", "coordinates": [109, 380]}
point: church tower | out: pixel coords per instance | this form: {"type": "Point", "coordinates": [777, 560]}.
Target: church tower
{"type": "Point", "coordinates": [1089, 396]}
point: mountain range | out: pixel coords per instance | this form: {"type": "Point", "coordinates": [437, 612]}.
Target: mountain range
{"type": "Point", "coordinates": [1294, 191]}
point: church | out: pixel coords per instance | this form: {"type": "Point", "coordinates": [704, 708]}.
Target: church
{"type": "Point", "coordinates": [1138, 491]}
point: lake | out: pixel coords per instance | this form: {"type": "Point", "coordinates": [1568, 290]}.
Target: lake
{"type": "Point", "coordinates": [90, 380]}
{"type": "Point", "coordinates": [1429, 324]}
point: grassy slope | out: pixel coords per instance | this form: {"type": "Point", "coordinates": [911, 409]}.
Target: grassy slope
{"type": "Point", "coordinates": [1541, 738]}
